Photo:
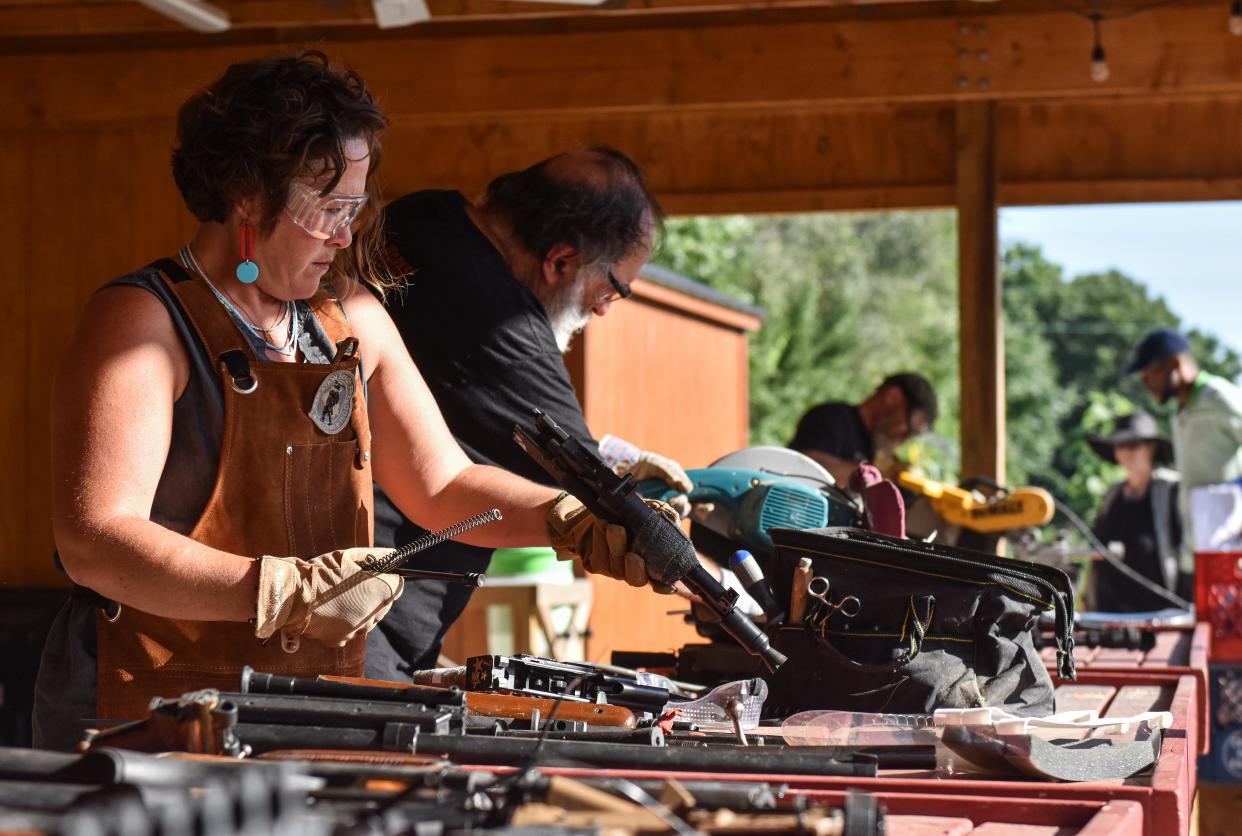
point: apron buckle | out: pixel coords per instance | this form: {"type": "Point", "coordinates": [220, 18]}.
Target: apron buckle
{"type": "Point", "coordinates": [238, 368]}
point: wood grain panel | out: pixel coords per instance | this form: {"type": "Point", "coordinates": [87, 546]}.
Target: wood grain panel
{"type": "Point", "coordinates": [553, 69]}
{"type": "Point", "coordinates": [1079, 151]}
{"type": "Point", "coordinates": [60, 259]}
{"type": "Point", "coordinates": [16, 280]}
{"type": "Point", "coordinates": [871, 156]}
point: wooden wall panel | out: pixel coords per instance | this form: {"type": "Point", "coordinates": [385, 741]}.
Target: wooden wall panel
{"type": "Point", "coordinates": [665, 381]}
{"type": "Point", "coordinates": [703, 62]}
{"type": "Point", "coordinates": [1119, 150]}
{"type": "Point", "coordinates": [17, 514]}
{"type": "Point", "coordinates": [98, 204]}
{"type": "Point", "coordinates": [869, 157]}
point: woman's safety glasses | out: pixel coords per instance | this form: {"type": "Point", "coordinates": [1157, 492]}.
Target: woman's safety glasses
{"type": "Point", "coordinates": [322, 215]}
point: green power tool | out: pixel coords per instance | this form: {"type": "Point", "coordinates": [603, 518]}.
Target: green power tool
{"type": "Point", "coordinates": [750, 502]}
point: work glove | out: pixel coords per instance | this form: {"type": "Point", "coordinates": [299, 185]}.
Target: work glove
{"type": "Point", "coordinates": [330, 598]}
{"type": "Point", "coordinates": [603, 547]}
{"type": "Point", "coordinates": [624, 458]}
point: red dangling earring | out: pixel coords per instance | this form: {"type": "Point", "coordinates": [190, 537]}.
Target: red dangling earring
{"type": "Point", "coordinates": [247, 271]}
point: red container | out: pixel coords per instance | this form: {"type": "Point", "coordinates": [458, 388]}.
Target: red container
{"type": "Point", "coordinates": [1218, 601]}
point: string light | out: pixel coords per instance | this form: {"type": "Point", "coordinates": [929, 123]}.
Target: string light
{"type": "Point", "coordinates": [1235, 18]}
{"type": "Point", "coordinates": [1099, 62]}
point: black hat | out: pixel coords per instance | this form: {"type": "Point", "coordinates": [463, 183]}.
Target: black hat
{"type": "Point", "coordinates": [1137, 426]}
{"type": "Point", "coordinates": [1159, 344]}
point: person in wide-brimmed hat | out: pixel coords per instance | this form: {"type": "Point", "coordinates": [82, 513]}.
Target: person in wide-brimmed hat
{"type": "Point", "coordinates": [1141, 513]}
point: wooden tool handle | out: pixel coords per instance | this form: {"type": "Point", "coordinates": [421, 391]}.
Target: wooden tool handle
{"type": "Point", "coordinates": [519, 708]}
{"type": "Point", "coordinates": [797, 594]}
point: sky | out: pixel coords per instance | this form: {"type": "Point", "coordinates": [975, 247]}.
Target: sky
{"type": "Point", "coordinates": [1189, 253]}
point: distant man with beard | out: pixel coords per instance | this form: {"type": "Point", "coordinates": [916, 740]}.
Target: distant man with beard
{"type": "Point", "coordinates": [840, 435]}
{"type": "Point", "coordinates": [495, 292]}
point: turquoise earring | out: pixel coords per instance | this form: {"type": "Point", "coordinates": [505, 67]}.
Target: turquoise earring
{"type": "Point", "coordinates": [247, 271]}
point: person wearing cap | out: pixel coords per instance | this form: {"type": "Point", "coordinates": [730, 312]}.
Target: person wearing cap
{"type": "Point", "coordinates": [840, 435]}
{"type": "Point", "coordinates": [1140, 512]}
{"type": "Point", "coordinates": [1207, 427]}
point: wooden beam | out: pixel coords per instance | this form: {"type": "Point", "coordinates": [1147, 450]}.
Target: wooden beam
{"type": "Point", "coordinates": [1156, 190]}
{"type": "Point", "coordinates": [982, 352]}
{"type": "Point", "coordinates": [658, 66]}
{"type": "Point", "coordinates": [702, 162]}
{"type": "Point", "coordinates": [67, 20]}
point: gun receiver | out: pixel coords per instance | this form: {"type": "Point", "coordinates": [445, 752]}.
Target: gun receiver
{"type": "Point", "coordinates": [667, 551]}
{"type": "Point", "coordinates": [504, 706]}
{"type": "Point", "coordinates": [573, 683]}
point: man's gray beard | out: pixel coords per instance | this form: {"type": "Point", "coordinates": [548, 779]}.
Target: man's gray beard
{"type": "Point", "coordinates": [566, 313]}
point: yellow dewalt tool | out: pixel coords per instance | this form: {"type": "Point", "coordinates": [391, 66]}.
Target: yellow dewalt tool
{"type": "Point", "coordinates": [1014, 509]}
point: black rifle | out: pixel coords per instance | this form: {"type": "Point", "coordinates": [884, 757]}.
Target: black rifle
{"type": "Point", "coordinates": [667, 551]}
{"type": "Point", "coordinates": [222, 723]}
{"type": "Point", "coordinates": [477, 749]}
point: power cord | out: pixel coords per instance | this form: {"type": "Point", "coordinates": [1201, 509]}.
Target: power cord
{"type": "Point", "coordinates": [1115, 562]}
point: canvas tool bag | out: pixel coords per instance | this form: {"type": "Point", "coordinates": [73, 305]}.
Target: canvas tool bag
{"type": "Point", "coordinates": [935, 627]}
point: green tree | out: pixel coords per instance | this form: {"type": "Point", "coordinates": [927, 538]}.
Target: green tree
{"type": "Point", "coordinates": [851, 298]}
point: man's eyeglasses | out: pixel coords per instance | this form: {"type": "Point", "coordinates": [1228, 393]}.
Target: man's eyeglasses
{"type": "Point", "coordinates": [619, 291]}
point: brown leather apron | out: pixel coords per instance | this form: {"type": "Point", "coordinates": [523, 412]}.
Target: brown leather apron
{"type": "Point", "coordinates": [284, 487]}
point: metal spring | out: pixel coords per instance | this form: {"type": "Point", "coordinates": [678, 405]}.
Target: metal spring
{"type": "Point", "coordinates": [434, 538]}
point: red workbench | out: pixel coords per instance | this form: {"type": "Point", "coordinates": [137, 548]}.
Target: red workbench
{"type": "Point", "coordinates": [1172, 676]}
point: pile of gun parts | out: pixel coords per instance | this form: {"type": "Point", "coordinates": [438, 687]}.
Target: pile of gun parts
{"type": "Point", "coordinates": [512, 744]}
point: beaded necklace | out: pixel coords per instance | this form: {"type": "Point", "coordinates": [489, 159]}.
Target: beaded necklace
{"type": "Point", "coordinates": [295, 324]}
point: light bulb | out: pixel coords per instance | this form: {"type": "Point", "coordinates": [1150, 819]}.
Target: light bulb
{"type": "Point", "coordinates": [1099, 64]}
{"type": "Point", "coordinates": [1235, 18]}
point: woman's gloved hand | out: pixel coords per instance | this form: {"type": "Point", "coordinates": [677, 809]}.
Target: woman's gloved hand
{"type": "Point", "coordinates": [330, 598]}
{"type": "Point", "coordinates": [603, 547]}
{"type": "Point", "coordinates": [624, 458]}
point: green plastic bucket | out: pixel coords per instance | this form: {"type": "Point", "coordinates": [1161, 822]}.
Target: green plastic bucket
{"type": "Point", "coordinates": [530, 562]}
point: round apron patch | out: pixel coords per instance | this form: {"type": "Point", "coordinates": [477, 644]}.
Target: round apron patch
{"type": "Point", "coordinates": [334, 402]}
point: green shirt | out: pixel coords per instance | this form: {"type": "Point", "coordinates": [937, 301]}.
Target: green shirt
{"type": "Point", "coordinates": [1207, 438]}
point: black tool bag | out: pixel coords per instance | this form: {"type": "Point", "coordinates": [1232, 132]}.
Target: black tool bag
{"type": "Point", "coordinates": [933, 627]}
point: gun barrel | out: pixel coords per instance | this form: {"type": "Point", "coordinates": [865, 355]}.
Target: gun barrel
{"type": "Point", "coordinates": [475, 749]}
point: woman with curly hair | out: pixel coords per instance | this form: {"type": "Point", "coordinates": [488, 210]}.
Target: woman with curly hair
{"type": "Point", "coordinates": [219, 416]}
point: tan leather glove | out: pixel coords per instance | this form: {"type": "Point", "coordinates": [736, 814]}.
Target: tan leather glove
{"type": "Point", "coordinates": [330, 598]}
{"type": "Point", "coordinates": [625, 458]}
{"type": "Point", "coordinates": [602, 546]}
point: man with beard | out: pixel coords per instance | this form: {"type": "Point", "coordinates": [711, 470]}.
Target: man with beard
{"type": "Point", "coordinates": [839, 435]}
{"type": "Point", "coordinates": [1207, 428]}
{"type": "Point", "coordinates": [495, 292]}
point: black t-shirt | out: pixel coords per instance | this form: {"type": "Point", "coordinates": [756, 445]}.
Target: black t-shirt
{"type": "Point", "coordinates": [1130, 521]}
{"type": "Point", "coordinates": [835, 428]}
{"type": "Point", "coordinates": [485, 346]}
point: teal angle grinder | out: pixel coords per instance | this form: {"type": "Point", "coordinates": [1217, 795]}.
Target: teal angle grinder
{"type": "Point", "coordinates": [749, 502]}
